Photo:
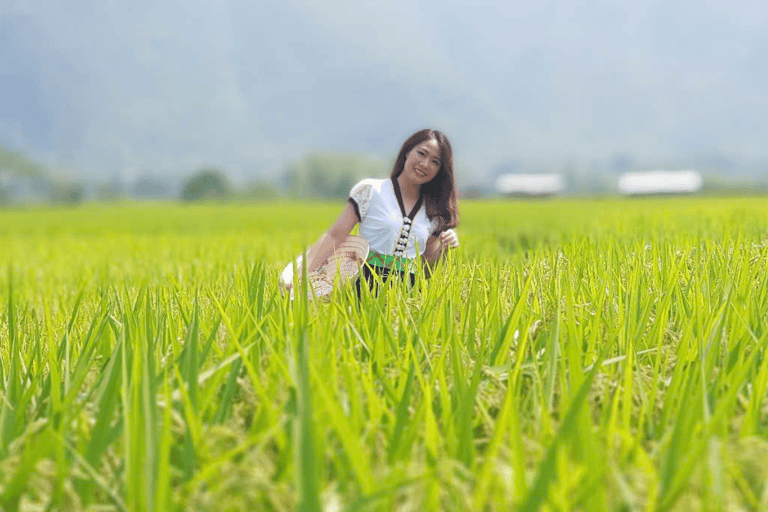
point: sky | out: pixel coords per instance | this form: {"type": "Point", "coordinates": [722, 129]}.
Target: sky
{"type": "Point", "coordinates": [121, 89]}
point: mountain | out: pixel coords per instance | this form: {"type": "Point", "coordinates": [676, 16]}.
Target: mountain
{"type": "Point", "coordinates": [122, 89]}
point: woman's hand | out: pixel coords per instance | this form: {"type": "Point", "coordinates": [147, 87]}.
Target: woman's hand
{"type": "Point", "coordinates": [449, 238]}
{"type": "Point", "coordinates": [437, 245]}
{"type": "Point", "coordinates": [285, 285]}
{"type": "Point", "coordinates": [286, 278]}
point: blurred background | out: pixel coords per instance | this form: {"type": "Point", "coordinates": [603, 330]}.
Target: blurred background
{"type": "Point", "coordinates": [103, 100]}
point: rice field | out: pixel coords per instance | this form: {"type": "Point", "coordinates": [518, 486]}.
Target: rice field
{"type": "Point", "coordinates": [571, 355]}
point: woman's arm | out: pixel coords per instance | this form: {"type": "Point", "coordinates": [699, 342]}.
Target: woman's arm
{"type": "Point", "coordinates": [438, 244]}
{"type": "Point", "coordinates": [434, 250]}
{"type": "Point", "coordinates": [321, 250]}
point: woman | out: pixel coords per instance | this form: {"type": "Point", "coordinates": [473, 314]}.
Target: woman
{"type": "Point", "coordinates": [410, 214]}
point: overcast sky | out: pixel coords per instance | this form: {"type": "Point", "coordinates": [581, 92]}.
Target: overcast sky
{"type": "Point", "coordinates": [121, 88]}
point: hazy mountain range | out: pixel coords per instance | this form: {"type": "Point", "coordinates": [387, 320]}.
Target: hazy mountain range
{"type": "Point", "coordinates": [115, 89]}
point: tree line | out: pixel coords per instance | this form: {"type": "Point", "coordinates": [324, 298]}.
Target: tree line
{"type": "Point", "coordinates": [317, 175]}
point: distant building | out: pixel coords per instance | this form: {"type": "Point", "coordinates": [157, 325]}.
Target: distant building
{"type": "Point", "coordinates": [660, 182]}
{"type": "Point", "coordinates": [530, 184]}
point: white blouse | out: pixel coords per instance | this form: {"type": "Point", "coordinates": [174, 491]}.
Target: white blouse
{"type": "Point", "coordinates": [384, 222]}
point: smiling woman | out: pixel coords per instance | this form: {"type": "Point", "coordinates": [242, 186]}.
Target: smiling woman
{"type": "Point", "coordinates": [410, 215]}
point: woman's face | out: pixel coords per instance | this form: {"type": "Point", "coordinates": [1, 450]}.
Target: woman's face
{"type": "Point", "coordinates": [422, 163]}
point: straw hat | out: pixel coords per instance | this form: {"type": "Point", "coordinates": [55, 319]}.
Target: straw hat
{"type": "Point", "coordinates": [343, 265]}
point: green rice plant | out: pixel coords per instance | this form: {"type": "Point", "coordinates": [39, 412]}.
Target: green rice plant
{"type": "Point", "coordinates": [570, 355]}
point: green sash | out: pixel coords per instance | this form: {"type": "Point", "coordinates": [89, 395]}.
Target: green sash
{"type": "Point", "coordinates": [376, 259]}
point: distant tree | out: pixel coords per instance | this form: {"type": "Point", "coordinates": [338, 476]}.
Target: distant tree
{"type": "Point", "coordinates": [261, 190]}
{"type": "Point", "coordinates": [717, 185]}
{"type": "Point", "coordinates": [19, 164]}
{"type": "Point", "coordinates": [570, 176]}
{"type": "Point", "coordinates": [621, 163]}
{"type": "Point", "coordinates": [206, 183]}
{"type": "Point", "coordinates": [329, 175]}
{"type": "Point", "coordinates": [148, 187]}
{"type": "Point", "coordinates": [715, 163]}
{"type": "Point", "coordinates": [69, 193]}
{"type": "Point", "coordinates": [512, 166]}
{"type": "Point", "coordinates": [110, 191]}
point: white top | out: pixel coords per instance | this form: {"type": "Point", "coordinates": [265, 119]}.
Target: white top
{"type": "Point", "coordinates": [384, 222]}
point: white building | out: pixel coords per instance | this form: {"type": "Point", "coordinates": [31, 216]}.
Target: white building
{"type": "Point", "coordinates": [660, 182]}
{"type": "Point", "coordinates": [530, 184]}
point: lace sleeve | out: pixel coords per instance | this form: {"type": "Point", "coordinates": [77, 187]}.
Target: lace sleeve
{"type": "Point", "coordinates": [360, 197]}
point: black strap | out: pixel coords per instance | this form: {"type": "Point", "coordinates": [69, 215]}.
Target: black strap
{"type": "Point", "coordinates": [399, 197]}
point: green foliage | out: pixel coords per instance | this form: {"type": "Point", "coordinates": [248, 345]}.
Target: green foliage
{"type": "Point", "coordinates": [68, 193]}
{"type": "Point", "coordinates": [110, 191]}
{"type": "Point", "coordinates": [15, 165]}
{"type": "Point", "coordinates": [570, 355]}
{"type": "Point", "coordinates": [261, 190]}
{"type": "Point", "coordinates": [329, 175]}
{"type": "Point", "coordinates": [20, 165]}
{"type": "Point", "coordinates": [206, 183]}
{"type": "Point", "coordinates": [717, 185]}
{"type": "Point", "coordinates": [149, 187]}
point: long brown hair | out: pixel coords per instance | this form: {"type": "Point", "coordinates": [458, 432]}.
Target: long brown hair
{"type": "Point", "coordinates": [440, 193]}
